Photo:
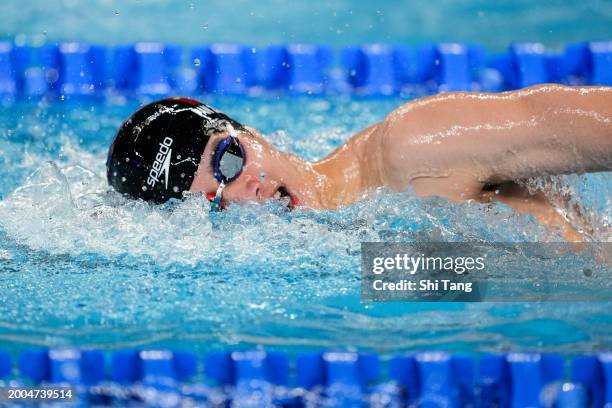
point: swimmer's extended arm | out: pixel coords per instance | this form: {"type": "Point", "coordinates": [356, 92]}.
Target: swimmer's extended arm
{"type": "Point", "coordinates": [471, 139]}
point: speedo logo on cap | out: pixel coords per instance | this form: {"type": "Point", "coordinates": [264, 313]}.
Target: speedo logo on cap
{"type": "Point", "coordinates": [161, 165]}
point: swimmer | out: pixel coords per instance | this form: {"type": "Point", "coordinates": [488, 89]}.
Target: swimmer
{"type": "Point", "coordinates": [463, 146]}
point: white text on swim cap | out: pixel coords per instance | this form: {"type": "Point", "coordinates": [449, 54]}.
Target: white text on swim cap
{"type": "Point", "coordinates": [161, 165]}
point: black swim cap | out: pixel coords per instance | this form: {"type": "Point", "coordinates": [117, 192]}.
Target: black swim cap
{"type": "Point", "coordinates": [156, 152]}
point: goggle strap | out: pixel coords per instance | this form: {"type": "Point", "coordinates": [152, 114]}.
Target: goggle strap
{"type": "Point", "coordinates": [217, 202]}
{"type": "Point", "coordinates": [220, 190]}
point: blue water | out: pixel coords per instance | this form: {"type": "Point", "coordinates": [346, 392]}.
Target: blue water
{"type": "Point", "coordinates": [335, 22]}
{"type": "Point", "coordinates": [80, 265]}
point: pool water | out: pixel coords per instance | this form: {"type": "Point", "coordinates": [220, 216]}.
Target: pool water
{"type": "Point", "coordinates": [81, 265]}
{"type": "Point", "coordinates": [333, 22]}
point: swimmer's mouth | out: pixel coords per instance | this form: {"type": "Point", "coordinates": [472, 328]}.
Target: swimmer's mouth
{"type": "Point", "coordinates": [284, 196]}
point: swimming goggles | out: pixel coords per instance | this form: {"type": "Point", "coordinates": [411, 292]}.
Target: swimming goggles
{"type": "Point", "coordinates": [228, 163]}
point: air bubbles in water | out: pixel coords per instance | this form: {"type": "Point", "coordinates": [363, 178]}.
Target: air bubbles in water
{"type": "Point", "coordinates": [85, 253]}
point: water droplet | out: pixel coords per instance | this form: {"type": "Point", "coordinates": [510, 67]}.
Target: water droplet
{"type": "Point", "coordinates": [62, 97]}
{"type": "Point", "coordinates": [197, 62]}
{"type": "Point", "coordinates": [116, 12]}
{"type": "Point", "coordinates": [205, 26]}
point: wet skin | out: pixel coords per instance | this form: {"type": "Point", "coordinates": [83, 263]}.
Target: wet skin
{"type": "Point", "coordinates": [463, 146]}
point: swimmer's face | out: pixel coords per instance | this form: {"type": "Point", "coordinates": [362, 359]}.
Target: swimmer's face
{"type": "Point", "coordinates": [267, 173]}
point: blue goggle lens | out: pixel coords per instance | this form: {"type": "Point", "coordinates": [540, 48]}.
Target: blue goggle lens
{"type": "Point", "coordinates": [229, 160]}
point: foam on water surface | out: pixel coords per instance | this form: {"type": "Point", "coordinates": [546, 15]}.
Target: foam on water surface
{"type": "Point", "coordinates": [80, 264]}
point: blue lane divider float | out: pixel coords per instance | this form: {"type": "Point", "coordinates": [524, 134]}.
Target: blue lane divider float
{"type": "Point", "coordinates": [332, 379]}
{"type": "Point", "coordinates": [339, 378]}
{"type": "Point", "coordinates": [7, 79]}
{"type": "Point", "coordinates": [594, 374]}
{"type": "Point", "coordinates": [76, 75]}
{"type": "Point", "coordinates": [153, 69]}
{"type": "Point", "coordinates": [75, 70]}
{"type": "Point", "coordinates": [435, 379]}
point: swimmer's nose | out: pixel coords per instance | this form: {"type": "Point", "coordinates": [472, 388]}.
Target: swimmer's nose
{"type": "Point", "coordinates": [243, 189]}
